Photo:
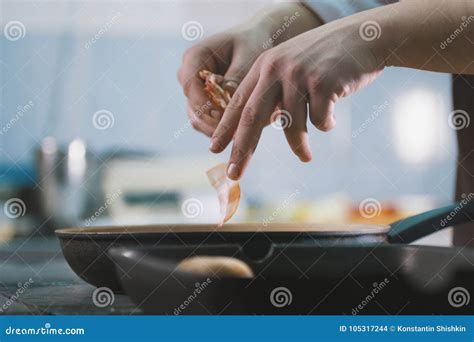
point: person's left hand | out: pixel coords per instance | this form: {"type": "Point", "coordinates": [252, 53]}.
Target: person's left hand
{"type": "Point", "coordinates": [319, 67]}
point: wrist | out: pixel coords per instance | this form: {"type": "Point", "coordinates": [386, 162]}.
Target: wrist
{"type": "Point", "coordinates": [392, 36]}
{"type": "Point", "coordinates": [283, 21]}
{"type": "Point", "coordinates": [379, 33]}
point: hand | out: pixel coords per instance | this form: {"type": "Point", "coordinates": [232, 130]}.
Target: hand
{"type": "Point", "coordinates": [319, 67]}
{"type": "Point", "coordinates": [227, 53]}
{"type": "Point", "coordinates": [232, 54]}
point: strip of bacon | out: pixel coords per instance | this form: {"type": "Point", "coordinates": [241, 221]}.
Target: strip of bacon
{"type": "Point", "coordinates": [228, 191]}
{"type": "Point", "coordinates": [219, 96]}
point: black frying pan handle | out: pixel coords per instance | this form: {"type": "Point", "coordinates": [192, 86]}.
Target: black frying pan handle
{"type": "Point", "coordinates": [418, 226]}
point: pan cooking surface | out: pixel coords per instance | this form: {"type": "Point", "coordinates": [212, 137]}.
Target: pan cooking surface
{"type": "Point", "coordinates": [248, 228]}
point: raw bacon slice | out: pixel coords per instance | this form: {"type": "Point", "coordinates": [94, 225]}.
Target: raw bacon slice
{"type": "Point", "coordinates": [213, 86]}
{"type": "Point", "coordinates": [228, 191]}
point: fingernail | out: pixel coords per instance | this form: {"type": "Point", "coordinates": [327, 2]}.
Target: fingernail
{"type": "Point", "coordinates": [214, 146]}
{"type": "Point", "coordinates": [233, 171]}
{"type": "Point", "coordinates": [306, 158]}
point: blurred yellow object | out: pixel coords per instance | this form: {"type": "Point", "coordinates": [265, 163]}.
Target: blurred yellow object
{"type": "Point", "coordinates": [338, 208]}
{"type": "Point", "coordinates": [387, 214]}
{"type": "Point", "coordinates": [7, 231]}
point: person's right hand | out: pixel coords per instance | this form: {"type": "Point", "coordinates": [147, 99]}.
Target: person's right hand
{"type": "Point", "coordinates": [232, 54]}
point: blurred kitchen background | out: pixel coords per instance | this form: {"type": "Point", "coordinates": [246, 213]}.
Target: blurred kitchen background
{"type": "Point", "coordinates": [94, 130]}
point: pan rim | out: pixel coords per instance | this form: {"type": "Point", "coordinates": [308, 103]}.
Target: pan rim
{"type": "Point", "coordinates": [235, 229]}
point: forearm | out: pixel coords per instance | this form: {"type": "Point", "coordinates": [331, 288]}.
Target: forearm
{"type": "Point", "coordinates": [436, 35]}
{"type": "Point", "coordinates": [284, 21]}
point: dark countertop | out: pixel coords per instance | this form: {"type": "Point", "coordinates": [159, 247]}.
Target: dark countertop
{"type": "Point", "coordinates": [54, 289]}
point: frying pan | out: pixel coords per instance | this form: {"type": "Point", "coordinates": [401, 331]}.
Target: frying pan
{"type": "Point", "coordinates": [86, 249]}
{"type": "Point", "coordinates": [312, 280]}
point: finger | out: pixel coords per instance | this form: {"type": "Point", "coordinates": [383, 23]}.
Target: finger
{"type": "Point", "coordinates": [216, 114]}
{"type": "Point", "coordinates": [194, 91]}
{"type": "Point", "coordinates": [321, 109]}
{"type": "Point", "coordinates": [188, 76]}
{"type": "Point", "coordinates": [236, 72]}
{"type": "Point", "coordinates": [238, 68]}
{"type": "Point", "coordinates": [204, 124]}
{"type": "Point", "coordinates": [199, 115]}
{"type": "Point", "coordinates": [231, 117]}
{"type": "Point", "coordinates": [294, 126]}
{"type": "Point", "coordinates": [256, 114]}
